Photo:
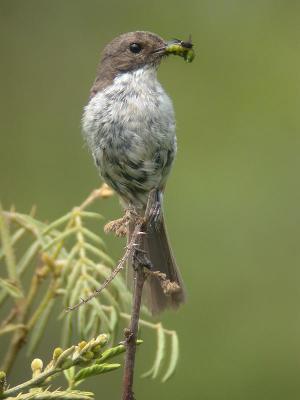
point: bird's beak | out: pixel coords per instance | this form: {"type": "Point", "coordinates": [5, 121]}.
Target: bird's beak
{"type": "Point", "coordinates": [181, 48]}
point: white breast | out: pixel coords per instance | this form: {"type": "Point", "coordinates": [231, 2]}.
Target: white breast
{"type": "Point", "coordinates": [130, 129]}
{"type": "Point", "coordinates": [136, 103]}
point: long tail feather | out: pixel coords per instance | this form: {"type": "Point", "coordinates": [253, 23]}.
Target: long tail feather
{"type": "Point", "coordinates": [158, 249]}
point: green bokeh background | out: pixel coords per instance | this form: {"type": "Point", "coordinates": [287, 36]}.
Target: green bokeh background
{"type": "Point", "coordinates": [233, 199]}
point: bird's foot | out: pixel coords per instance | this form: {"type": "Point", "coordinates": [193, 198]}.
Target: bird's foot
{"type": "Point", "coordinates": [140, 259]}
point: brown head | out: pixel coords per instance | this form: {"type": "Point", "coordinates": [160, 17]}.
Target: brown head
{"type": "Point", "coordinates": [133, 50]}
{"type": "Point", "coordinates": [128, 52]}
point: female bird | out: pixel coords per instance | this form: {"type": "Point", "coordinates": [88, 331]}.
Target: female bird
{"type": "Point", "coordinates": [129, 126]}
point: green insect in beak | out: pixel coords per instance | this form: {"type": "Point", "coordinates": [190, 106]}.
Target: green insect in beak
{"type": "Point", "coordinates": [182, 49]}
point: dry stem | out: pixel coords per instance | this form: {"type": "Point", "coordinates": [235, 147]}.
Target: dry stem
{"type": "Point", "coordinates": [131, 334]}
{"type": "Point", "coordinates": [139, 262]}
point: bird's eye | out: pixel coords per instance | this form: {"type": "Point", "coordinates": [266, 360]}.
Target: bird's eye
{"type": "Point", "coordinates": [135, 48]}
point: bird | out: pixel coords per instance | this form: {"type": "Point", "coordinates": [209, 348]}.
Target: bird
{"type": "Point", "coordinates": [129, 127]}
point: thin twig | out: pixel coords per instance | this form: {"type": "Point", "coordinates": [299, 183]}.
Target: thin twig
{"type": "Point", "coordinates": [16, 341]}
{"type": "Point", "coordinates": [131, 334]}
{"type": "Point", "coordinates": [130, 248]}
{"type": "Point", "coordinates": [10, 317]}
{"type": "Point", "coordinates": [27, 323]}
{"type": "Point", "coordinates": [103, 192]}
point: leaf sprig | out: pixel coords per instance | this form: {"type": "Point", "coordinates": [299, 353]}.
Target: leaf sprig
{"type": "Point", "coordinates": [72, 258]}
{"type": "Point", "coordinates": [77, 363]}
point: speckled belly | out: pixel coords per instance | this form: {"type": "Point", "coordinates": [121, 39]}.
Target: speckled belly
{"type": "Point", "coordinates": [131, 176]}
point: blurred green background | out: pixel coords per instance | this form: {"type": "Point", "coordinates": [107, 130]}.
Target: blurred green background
{"type": "Point", "coordinates": [233, 199]}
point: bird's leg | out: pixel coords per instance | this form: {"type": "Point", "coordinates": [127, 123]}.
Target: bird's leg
{"type": "Point", "coordinates": [140, 259]}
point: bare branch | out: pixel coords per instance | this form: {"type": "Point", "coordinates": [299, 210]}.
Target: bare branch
{"type": "Point", "coordinates": [139, 278]}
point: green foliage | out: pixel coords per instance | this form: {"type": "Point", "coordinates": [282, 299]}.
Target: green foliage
{"type": "Point", "coordinates": [71, 260]}
{"type": "Point", "coordinates": [57, 394]}
{"type": "Point", "coordinates": [113, 352]}
{"type": "Point", "coordinates": [82, 358]}
{"type": "Point", "coordinates": [94, 370]}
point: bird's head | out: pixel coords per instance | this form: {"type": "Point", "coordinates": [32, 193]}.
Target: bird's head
{"type": "Point", "coordinates": [134, 50]}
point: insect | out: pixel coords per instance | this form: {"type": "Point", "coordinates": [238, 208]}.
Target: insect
{"type": "Point", "coordinates": [182, 48]}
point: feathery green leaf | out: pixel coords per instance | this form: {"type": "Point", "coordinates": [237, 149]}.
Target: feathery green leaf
{"type": "Point", "coordinates": [11, 288]}
{"type": "Point", "coordinates": [10, 328]}
{"type": "Point", "coordinates": [40, 327]}
{"type": "Point", "coordinates": [95, 369]}
{"type": "Point", "coordinates": [174, 357]}
{"type": "Point", "coordinates": [160, 351]}
{"type": "Point", "coordinates": [7, 247]}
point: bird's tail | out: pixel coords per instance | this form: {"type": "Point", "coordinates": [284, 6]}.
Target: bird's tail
{"type": "Point", "coordinates": [161, 294]}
